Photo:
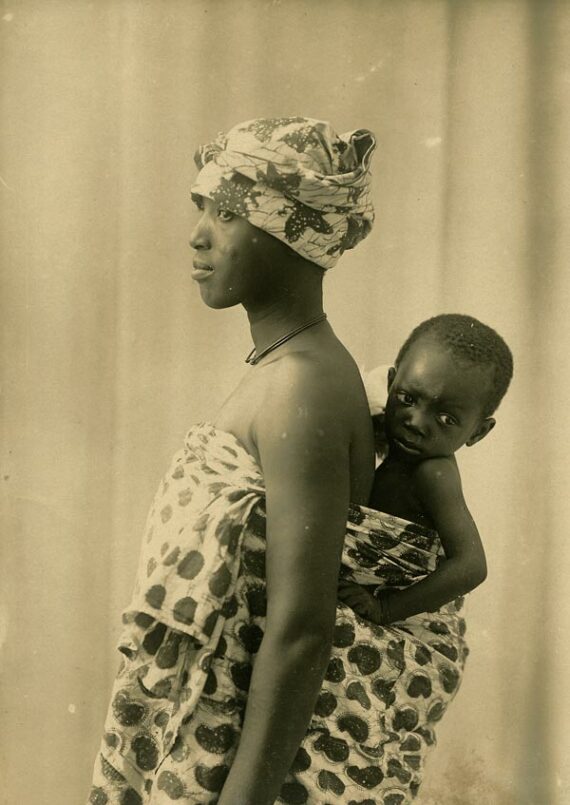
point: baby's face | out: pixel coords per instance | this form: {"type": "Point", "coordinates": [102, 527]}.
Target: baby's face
{"type": "Point", "coordinates": [435, 403]}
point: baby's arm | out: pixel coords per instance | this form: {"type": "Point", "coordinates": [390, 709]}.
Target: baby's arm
{"type": "Point", "coordinates": [438, 486]}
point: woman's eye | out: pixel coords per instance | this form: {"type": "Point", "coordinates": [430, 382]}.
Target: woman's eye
{"type": "Point", "coordinates": [225, 215]}
{"type": "Point", "coordinates": [404, 397]}
{"type": "Point", "coordinates": [447, 419]}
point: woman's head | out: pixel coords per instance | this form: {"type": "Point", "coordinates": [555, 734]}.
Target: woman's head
{"type": "Point", "coordinates": [302, 185]}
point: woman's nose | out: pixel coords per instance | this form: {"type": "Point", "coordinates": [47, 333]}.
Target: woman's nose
{"type": "Point", "coordinates": [199, 238]}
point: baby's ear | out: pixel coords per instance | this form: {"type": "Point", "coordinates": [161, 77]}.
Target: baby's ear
{"type": "Point", "coordinates": [484, 428]}
{"type": "Point", "coordinates": [391, 376]}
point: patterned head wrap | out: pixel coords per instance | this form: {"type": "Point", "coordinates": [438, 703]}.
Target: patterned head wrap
{"type": "Point", "coordinates": [294, 178]}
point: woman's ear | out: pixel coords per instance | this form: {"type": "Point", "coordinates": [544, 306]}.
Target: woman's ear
{"type": "Point", "coordinates": [391, 376]}
{"type": "Point", "coordinates": [484, 428]}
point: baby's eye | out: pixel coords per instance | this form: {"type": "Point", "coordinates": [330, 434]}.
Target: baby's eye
{"type": "Point", "coordinates": [198, 201]}
{"type": "Point", "coordinates": [404, 397]}
{"type": "Point", "coordinates": [225, 215]}
{"type": "Point", "coordinates": [447, 419]}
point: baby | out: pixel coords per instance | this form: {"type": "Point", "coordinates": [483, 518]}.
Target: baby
{"type": "Point", "coordinates": [448, 379]}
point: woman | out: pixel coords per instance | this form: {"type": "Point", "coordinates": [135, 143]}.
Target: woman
{"type": "Point", "coordinates": [228, 693]}
{"type": "Point", "coordinates": [281, 200]}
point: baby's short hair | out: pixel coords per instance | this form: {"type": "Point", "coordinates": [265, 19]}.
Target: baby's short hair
{"type": "Point", "coordinates": [473, 342]}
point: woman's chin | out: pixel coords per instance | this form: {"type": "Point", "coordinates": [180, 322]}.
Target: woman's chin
{"type": "Point", "coordinates": [216, 301]}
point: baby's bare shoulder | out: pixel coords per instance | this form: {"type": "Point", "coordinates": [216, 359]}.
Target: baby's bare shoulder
{"type": "Point", "coordinates": [438, 474]}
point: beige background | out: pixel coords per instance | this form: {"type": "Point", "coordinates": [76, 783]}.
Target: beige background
{"type": "Point", "coordinates": [109, 355]}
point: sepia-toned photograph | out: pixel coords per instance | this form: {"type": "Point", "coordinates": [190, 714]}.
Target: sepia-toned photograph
{"type": "Point", "coordinates": [286, 317]}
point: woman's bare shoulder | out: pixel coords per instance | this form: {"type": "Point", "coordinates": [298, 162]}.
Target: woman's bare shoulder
{"type": "Point", "coordinates": [301, 380]}
{"type": "Point", "coordinates": [315, 390]}
{"type": "Point", "coordinates": [322, 372]}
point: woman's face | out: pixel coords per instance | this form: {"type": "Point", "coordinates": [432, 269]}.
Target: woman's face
{"type": "Point", "coordinates": [235, 262]}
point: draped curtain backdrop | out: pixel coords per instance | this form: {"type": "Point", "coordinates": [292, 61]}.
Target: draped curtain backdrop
{"type": "Point", "coordinates": [109, 355]}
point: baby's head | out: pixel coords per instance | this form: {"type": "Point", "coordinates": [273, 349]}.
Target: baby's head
{"type": "Point", "coordinates": [449, 377]}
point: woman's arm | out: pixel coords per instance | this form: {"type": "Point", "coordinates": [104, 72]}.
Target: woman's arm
{"type": "Point", "coordinates": [303, 444]}
{"type": "Point", "coordinates": [438, 487]}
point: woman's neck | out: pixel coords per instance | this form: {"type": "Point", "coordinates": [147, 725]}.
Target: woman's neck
{"type": "Point", "coordinates": [277, 318]}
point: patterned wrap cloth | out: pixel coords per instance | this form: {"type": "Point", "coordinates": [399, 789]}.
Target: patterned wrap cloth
{"type": "Point", "coordinates": [294, 178]}
{"type": "Point", "coordinates": [197, 619]}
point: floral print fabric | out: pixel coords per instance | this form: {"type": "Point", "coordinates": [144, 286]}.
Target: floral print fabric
{"type": "Point", "coordinates": [197, 619]}
{"type": "Point", "coordinates": [296, 179]}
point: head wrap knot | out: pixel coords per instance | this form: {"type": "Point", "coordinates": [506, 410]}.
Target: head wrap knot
{"type": "Point", "coordinates": [295, 179]}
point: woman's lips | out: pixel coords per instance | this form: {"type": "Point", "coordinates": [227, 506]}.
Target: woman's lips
{"type": "Point", "coordinates": [201, 271]}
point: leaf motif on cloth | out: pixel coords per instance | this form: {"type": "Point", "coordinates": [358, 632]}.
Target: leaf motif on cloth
{"type": "Point", "coordinates": [303, 218]}
{"type": "Point", "coordinates": [302, 138]}
{"type": "Point", "coordinates": [235, 194]}
{"type": "Point", "coordinates": [350, 238]}
{"type": "Point", "coordinates": [353, 193]}
{"type": "Point", "coordinates": [264, 127]}
{"type": "Point", "coordinates": [286, 183]}
{"type": "Point", "coordinates": [340, 146]}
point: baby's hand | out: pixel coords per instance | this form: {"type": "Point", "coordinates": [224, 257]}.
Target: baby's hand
{"type": "Point", "coordinates": [360, 600]}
